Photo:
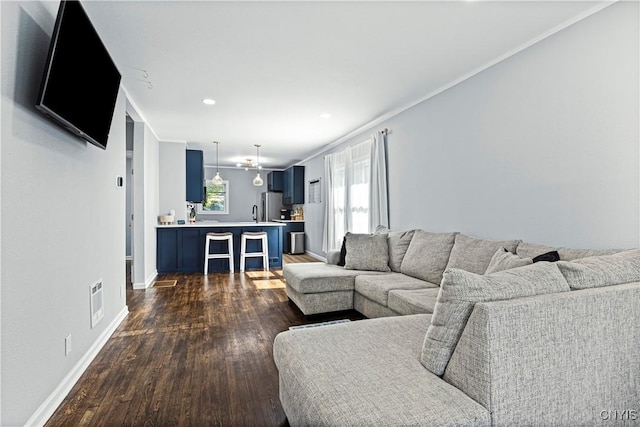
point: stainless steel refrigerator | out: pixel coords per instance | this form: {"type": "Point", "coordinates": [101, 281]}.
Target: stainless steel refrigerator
{"type": "Point", "coordinates": [270, 206]}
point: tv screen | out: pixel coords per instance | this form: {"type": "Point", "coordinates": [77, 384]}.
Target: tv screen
{"type": "Point", "coordinates": [80, 83]}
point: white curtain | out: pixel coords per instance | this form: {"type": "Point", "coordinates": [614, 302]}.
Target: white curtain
{"type": "Point", "coordinates": [335, 200]}
{"type": "Point", "coordinates": [379, 208]}
{"type": "Point", "coordinates": [356, 191]}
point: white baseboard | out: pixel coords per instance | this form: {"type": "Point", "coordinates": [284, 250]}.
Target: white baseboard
{"type": "Point", "coordinates": [49, 406]}
{"type": "Point", "coordinates": [316, 256]}
{"type": "Point", "coordinates": [148, 281]}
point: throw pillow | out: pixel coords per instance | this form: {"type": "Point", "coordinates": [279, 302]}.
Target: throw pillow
{"type": "Point", "coordinates": [474, 255]}
{"type": "Point", "coordinates": [381, 229]}
{"type": "Point", "coordinates": [532, 250]}
{"type": "Point", "coordinates": [604, 270]}
{"type": "Point", "coordinates": [505, 260]}
{"type": "Point", "coordinates": [460, 290]}
{"type": "Point", "coordinates": [427, 255]}
{"type": "Point", "coordinates": [343, 253]}
{"type": "Point", "coordinates": [399, 242]}
{"type": "Point", "coordinates": [366, 252]}
{"type": "Point", "coordinates": [551, 256]}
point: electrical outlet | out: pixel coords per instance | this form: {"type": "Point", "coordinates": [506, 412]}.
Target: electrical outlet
{"type": "Point", "coordinates": [67, 345]}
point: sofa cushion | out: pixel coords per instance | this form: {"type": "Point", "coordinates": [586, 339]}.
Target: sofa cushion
{"type": "Point", "coordinates": [366, 373]}
{"type": "Point", "coordinates": [427, 255]}
{"type": "Point", "coordinates": [531, 250]}
{"type": "Point", "coordinates": [376, 288]}
{"type": "Point", "coordinates": [505, 260]}
{"type": "Point", "coordinates": [413, 301]}
{"type": "Point", "coordinates": [399, 242]}
{"type": "Point", "coordinates": [398, 245]}
{"type": "Point", "coordinates": [460, 290]}
{"type": "Point", "coordinates": [604, 270]}
{"type": "Point", "coordinates": [472, 254]}
{"type": "Point", "coordinates": [366, 252]}
{"type": "Point", "coordinates": [313, 277]}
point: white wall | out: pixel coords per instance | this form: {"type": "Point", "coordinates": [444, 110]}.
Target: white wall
{"type": "Point", "coordinates": [145, 204]}
{"type": "Point", "coordinates": [172, 178]}
{"type": "Point", "coordinates": [151, 198]}
{"type": "Point", "coordinates": [543, 146]}
{"type": "Point", "coordinates": [62, 228]}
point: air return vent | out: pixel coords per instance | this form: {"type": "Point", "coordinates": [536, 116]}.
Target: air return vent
{"type": "Point", "coordinates": [97, 306]}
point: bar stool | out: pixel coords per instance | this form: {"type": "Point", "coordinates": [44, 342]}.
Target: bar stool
{"type": "Point", "coordinates": [229, 255]}
{"type": "Point", "coordinates": [254, 235]}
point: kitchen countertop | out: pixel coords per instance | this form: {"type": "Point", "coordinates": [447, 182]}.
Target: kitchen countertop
{"type": "Point", "coordinates": [288, 220]}
{"type": "Point", "coordinates": [211, 224]}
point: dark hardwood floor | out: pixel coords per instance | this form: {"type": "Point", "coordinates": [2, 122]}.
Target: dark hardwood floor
{"type": "Point", "coordinates": [196, 354]}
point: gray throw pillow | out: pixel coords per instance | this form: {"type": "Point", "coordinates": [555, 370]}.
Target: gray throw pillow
{"type": "Point", "coordinates": [427, 255]}
{"type": "Point", "coordinates": [367, 252]}
{"type": "Point", "coordinates": [381, 229]}
{"type": "Point", "coordinates": [398, 244]}
{"type": "Point", "coordinates": [460, 290]}
{"type": "Point", "coordinates": [532, 250]}
{"type": "Point", "coordinates": [505, 260]}
{"type": "Point", "coordinates": [604, 270]}
{"type": "Point", "coordinates": [474, 255]}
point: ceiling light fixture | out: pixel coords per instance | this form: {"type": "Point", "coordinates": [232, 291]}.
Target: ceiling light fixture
{"type": "Point", "coordinates": [325, 116]}
{"type": "Point", "coordinates": [257, 181]}
{"type": "Point", "coordinates": [208, 101]}
{"type": "Point", "coordinates": [248, 163]}
{"type": "Point", "coordinates": [217, 180]}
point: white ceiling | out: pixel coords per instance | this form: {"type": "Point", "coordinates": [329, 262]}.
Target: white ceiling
{"type": "Point", "coordinates": [274, 67]}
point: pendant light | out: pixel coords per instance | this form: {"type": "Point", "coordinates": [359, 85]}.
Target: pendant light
{"type": "Point", "coordinates": [257, 181]}
{"type": "Point", "coordinates": [217, 180]}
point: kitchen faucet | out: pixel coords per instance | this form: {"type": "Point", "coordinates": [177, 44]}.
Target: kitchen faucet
{"type": "Point", "coordinates": [254, 212]}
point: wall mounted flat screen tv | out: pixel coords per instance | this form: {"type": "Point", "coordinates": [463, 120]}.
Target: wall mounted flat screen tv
{"type": "Point", "coordinates": [80, 82]}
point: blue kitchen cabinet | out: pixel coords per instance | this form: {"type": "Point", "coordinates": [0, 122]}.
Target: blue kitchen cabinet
{"type": "Point", "coordinates": [293, 186]}
{"type": "Point", "coordinates": [195, 176]}
{"type": "Point", "coordinates": [180, 249]}
{"type": "Point", "coordinates": [275, 181]}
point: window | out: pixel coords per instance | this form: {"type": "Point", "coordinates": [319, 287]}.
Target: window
{"type": "Point", "coordinates": [356, 190]}
{"type": "Point", "coordinates": [217, 199]}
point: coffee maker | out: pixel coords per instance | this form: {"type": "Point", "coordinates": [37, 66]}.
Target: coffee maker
{"type": "Point", "coordinates": [285, 214]}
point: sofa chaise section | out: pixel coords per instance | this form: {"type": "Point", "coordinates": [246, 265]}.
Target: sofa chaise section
{"type": "Point", "coordinates": [367, 373]}
{"type": "Point", "coordinates": [317, 287]}
{"type": "Point", "coordinates": [558, 359]}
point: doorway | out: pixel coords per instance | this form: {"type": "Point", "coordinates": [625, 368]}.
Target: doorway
{"type": "Point", "coordinates": [128, 215]}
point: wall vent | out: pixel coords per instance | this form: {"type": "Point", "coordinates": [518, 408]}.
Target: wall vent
{"type": "Point", "coordinates": [97, 303]}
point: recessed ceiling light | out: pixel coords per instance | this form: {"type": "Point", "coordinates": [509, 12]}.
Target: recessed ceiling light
{"type": "Point", "coordinates": [208, 101]}
{"type": "Point", "coordinates": [325, 115]}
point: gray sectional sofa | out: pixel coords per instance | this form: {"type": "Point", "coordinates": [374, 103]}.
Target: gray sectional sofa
{"type": "Point", "coordinates": [528, 343]}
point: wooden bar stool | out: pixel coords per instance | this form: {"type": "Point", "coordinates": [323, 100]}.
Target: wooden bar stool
{"type": "Point", "coordinates": [229, 255]}
{"type": "Point", "coordinates": [264, 254]}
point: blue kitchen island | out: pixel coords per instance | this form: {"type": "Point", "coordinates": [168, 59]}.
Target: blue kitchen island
{"type": "Point", "coordinates": [180, 247]}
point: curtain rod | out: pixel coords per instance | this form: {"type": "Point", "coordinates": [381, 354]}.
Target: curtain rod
{"type": "Point", "coordinates": [384, 131]}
